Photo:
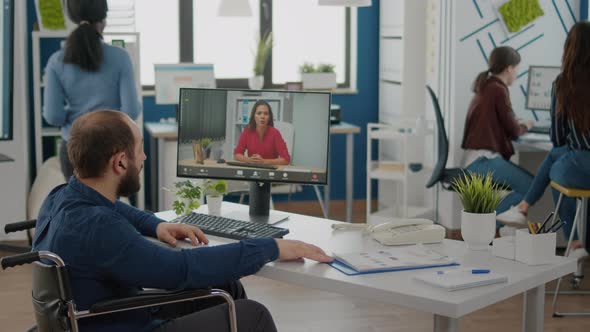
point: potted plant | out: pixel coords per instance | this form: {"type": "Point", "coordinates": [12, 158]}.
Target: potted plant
{"type": "Point", "coordinates": [201, 149]}
{"type": "Point", "coordinates": [260, 58]}
{"type": "Point", "coordinates": [214, 191]}
{"type": "Point", "coordinates": [480, 197]}
{"type": "Point", "coordinates": [188, 197]}
{"type": "Point", "coordinates": [323, 77]}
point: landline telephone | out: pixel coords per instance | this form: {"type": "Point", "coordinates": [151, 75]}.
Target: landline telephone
{"type": "Point", "coordinates": [400, 231]}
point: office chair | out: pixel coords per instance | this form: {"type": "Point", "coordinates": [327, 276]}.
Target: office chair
{"type": "Point", "coordinates": [441, 174]}
{"type": "Point", "coordinates": [55, 309]}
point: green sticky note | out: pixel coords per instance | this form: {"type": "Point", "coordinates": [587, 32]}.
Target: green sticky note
{"type": "Point", "coordinates": [518, 13]}
{"type": "Point", "coordinates": [52, 15]}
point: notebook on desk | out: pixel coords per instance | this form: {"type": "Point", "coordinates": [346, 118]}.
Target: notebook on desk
{"type": "Point", "coordinates": [460, 278]}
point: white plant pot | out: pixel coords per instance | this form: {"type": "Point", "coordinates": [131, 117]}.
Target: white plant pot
{"type": "Point", "coordinates": [256, 82]}
{"type": "Point", "coordinates": [478, 229]}
{"type": "Point", "coordinates": [319, 80]}
{"type": "Point", "coordinates": [214, 204]}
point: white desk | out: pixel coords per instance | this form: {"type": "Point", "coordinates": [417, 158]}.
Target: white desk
{"type": "Point", "coordinates": [400, 288]}
{"type": "Point", "coordinates": [533, 142]}
{"type": "Point", "coordinates": [163, 167]}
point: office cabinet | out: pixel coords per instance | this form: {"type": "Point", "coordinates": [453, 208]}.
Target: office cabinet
{"type": "Point", "coordinates": [402, 170]}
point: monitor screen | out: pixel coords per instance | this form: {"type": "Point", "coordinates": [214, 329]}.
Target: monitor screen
{"type": "Point", "coordinates": [169, 78]}
{"type": "Point", "coordinates": [6, 34]}
{"type": "Point", "coordinates": [261, 136]}
{"type": "Point", "coordinates": [539, 87]}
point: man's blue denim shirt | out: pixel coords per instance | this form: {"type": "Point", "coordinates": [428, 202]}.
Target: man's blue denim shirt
{"type": "Point", "coordinates": [103, 246]}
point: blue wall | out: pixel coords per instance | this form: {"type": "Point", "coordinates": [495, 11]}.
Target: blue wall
{"type": "Point", "coordinates": [358, 109]}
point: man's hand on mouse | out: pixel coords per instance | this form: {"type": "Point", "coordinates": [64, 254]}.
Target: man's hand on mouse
{"type": "Point", "coordinates": [170, 233]}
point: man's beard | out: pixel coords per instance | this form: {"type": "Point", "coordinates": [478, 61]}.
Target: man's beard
{"type": "Point", "coordinates": [129, 184]}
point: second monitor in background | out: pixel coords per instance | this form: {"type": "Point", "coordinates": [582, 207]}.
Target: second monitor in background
{"type": "Point", "coordinates": [538, 96]}
{"type": "Point", "coordinates": [169, 78]}
{"type": "Point", "coordinates": [275, 136]}
{"type": "Point", "coordinates": [539, 87]}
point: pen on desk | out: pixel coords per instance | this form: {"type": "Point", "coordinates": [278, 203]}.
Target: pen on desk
{"type": "Point", "coordinates": [542, 229]}
{"type": "Point", "coordinates": [473, 271]}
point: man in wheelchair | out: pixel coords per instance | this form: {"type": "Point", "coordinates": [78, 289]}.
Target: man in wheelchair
{"type": "Point", "coordinates": [101, 240]}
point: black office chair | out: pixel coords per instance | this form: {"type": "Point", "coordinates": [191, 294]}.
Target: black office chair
{"type": "Point", "coordinates": [16, 227]}
{"type": "Point", "coordinates": [441, 174]}
{"type": "Point", "coordinates": [55, 310]}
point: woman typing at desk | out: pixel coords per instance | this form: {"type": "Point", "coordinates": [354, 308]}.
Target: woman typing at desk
{"type": "Point", "coordinates": [491, 126]}
{"type": "Point", "coordinates": [261, 139]}
{"type": "Point", "coordinates": [568, 163]}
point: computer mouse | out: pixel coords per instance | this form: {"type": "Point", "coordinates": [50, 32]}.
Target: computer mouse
{"type": "Point", "coordinates": [221, 161]}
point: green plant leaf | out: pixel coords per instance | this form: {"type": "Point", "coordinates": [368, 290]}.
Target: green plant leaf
{"type": "Point", "coordinates": [325, 68]}
{"type": "Point", "coordinates": [307, 68]}
{"type": "Point", "coordinates": [178, 207]}
{"type": "Point", "coordinates": [262, 53]}
{"type": "Point", "coordinates": [478, 193]}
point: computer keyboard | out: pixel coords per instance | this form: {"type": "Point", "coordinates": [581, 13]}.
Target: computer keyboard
{"type": "Point", "coordinates": [231, 228]}
{"type": "Point", "coordinates": [540, 130]}
{"type": "Point", "coordinates": [237, 163]}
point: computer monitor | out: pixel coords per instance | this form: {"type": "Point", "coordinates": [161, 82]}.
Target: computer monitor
{"type": "Point", "coordinates": [169, 78]}
{"type": "Point", "coordinates": [6, 80]}
{"type": "Point", "coordinates": [541, 78]}
{"type": "Point", "coordinates": [216, 129]}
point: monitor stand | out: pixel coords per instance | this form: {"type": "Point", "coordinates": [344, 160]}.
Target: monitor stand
{"type": "Point", "coordinates": [260, 206]}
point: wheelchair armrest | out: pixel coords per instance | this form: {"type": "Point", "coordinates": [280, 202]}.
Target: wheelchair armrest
{"type": "Point", "coordinates": [147, 298]}
{"type": "Point", "coordinates": [20, 226]}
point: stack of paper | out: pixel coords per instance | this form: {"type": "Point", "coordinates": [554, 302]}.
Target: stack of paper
{"type": "Point", "coordinates": [460, 278]}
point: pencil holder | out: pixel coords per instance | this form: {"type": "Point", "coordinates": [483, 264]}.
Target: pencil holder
{"type": "Point", "coordinates": [535, 249]}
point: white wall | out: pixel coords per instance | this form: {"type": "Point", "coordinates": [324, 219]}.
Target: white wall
{"type": "Point", "coordinates": [462, 58]}
{"type": "Point", "coordinates": [310, 119]}
{"type": "Point", "coordinates": [14, 183]}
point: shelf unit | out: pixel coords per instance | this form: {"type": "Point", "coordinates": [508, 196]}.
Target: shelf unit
{"type": "Point", "coordinates": [47, 138]}
{"type": "Point", "coordinates": [405, 135]}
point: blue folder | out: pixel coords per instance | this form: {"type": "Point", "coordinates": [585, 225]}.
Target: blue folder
{"type": "Point", "coordinates": [338, 265]}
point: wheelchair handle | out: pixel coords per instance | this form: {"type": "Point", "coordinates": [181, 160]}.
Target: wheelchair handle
{"type": "Point", "coordinates": [20, 226]}
{"type": "Point", "coordinates": [12, 261]}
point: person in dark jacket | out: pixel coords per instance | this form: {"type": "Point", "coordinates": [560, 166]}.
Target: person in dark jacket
{"type": "Point", "coordinates": [491, 126]}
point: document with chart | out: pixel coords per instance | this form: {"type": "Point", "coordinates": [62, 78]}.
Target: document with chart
{"type": "Point", "coordinates": [390, 259]}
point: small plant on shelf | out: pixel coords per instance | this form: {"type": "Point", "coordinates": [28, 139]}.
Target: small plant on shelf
{"type": "Point", "coordinates": [326, 68]}
{"type": "Point", "coordinates": [307, 68]}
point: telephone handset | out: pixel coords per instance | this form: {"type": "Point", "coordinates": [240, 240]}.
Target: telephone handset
{"type": "Point", "coordinates": [401, 231]}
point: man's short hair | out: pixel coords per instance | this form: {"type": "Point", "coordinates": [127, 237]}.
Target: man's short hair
{"type": "Point", "coordinates": [94, 138]}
